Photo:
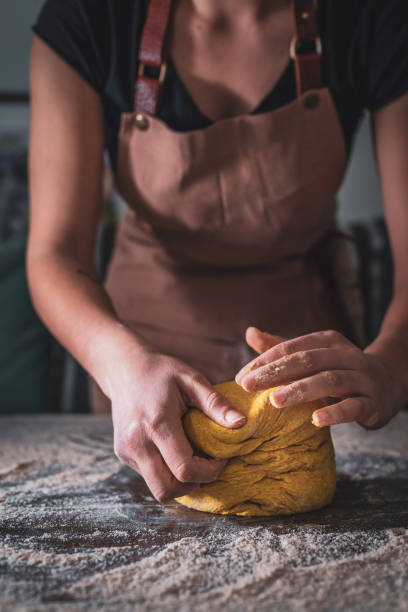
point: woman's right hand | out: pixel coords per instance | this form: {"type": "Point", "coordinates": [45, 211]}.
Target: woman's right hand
{"type": "Point", "coordinates": [150, 393]}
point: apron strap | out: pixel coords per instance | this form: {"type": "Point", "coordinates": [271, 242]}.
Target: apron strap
{"type": "Point", "coordinates": [308, 64]}
{"type": "Point", "coordinates": [151, 52]}
{"type": "Point", "coordinates": [151, 56]}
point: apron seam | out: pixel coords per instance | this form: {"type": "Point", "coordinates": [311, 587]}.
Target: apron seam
{"type": "Point", "coordinates": [224, 206]}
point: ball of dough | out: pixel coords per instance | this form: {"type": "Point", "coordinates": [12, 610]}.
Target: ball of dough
{"type": "Point", "coordinates": [280, 463]}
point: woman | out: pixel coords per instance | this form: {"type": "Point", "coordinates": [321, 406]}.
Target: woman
{"type": "Point", "coordinates": [229, 156]}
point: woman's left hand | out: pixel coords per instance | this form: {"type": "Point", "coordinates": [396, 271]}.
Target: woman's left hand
{"type": "Point", "coordinates": [321, 365]}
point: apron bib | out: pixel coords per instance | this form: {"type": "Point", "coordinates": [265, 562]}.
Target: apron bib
{"type": "Point", "coordinates": [226, 225]}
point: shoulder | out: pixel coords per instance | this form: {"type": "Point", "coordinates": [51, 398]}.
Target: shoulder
{"type": "Point", "coordinates": [115, 24]}
{"type": "Point", "coordinates": [112, 11]}
{"type": "Point", "coordinates": [367, 46]}
{"type": "Point", "coordinates": [353, 15]}
{"type": "Point", "coordinates": [94, 12]}
{"type": "Point", "coordinates": [95, 37]}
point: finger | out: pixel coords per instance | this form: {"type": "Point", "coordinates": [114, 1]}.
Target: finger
{"type": "Point", "coordinates": [331, 383]}
{"type": "Point", "coordinates": [359, 409]}
{"type": "Point", "coordinates": [199, 392]}
{"type": "Point", "coordinates": [301, 365]}
{"type": "Point", "coordinates": [178, 454]}
{"type": "Point", "coordinates": [316, 340]}
{"type": "Point", "coordinates": [261, 341]}
{"type": "Point", "coordinates": [161, 482]}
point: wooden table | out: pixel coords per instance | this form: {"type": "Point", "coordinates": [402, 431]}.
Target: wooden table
{"type": "Point", "coordinates": [79, 531]}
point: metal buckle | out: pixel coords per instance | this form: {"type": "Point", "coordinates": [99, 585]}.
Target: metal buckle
{"type": "Point", "coordinates": [294, 43]}
{"type": "Point", "coordinates": [162, 74]}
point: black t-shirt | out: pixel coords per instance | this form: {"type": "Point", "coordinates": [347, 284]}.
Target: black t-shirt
{"type": "Point", "coordinates": [365, 59]}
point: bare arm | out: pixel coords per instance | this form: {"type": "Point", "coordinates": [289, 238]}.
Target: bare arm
{"type": "Point", "coordinates": [390, 134]}
{"type": "Point", "coordinates": [65, 170]}
{"type": "Point", "coordinates": [149, 390]}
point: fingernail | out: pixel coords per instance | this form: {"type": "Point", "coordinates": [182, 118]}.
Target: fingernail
{"type": "Point", "coordinates": [319, 420]}
{"type": "Point", "coordinates": [242, 373]}
{"type": "Point", "coordinates": [315, 420]}
{"type": "Point", "coordinates": [244, 382]}
{"type": "Point", "coordinates": [233, 418]}
{"type": "Point", "coordinates": [372, 420]}
{"type": "Point", "coordinates": [274, 401]}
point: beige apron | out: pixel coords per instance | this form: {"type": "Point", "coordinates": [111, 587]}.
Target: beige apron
{"type": "Point", "coordinates": [222, 231]}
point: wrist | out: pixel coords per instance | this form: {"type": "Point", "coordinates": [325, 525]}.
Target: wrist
{"type": "Point", "coordinates": [393, 360]}
{"type": "Point", "coordinates": [112, 348]}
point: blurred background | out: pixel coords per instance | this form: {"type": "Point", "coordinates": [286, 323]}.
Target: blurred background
{"type": "Point", "coordinates": [36, 373]}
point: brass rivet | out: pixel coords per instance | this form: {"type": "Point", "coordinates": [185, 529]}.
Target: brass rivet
{"type": "Point", "coordinates": [305, 15]}
{"type": "Point", "coordinates": [311, 101]}
{"type": "Point", "coordinates": [141, 121]}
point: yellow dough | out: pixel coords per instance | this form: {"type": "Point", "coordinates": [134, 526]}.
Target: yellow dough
{"type": "Point", "coordinates": [280, 463]}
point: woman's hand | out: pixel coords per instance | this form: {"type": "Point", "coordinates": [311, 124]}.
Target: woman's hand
{"type": "Point", "coordinates": [318, 365]}
{"type": "Point", "coordinates": [149, 396]}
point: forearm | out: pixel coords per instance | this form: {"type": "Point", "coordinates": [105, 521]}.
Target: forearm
{"type": "Point", "coordinates": [77, 310]}
{"type": "Point", "coordinates": [391, 345]}
{"type": "Point", "coordinates": [390, 130]}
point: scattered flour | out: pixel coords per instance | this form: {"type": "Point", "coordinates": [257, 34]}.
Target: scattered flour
{"type": "Point", "coordinates": [80, 533]}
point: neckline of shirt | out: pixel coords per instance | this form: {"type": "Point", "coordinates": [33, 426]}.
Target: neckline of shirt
{"type": "Point", "coordinates": [266, 102]}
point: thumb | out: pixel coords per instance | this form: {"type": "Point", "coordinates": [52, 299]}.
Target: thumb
{"type": "Point", "coordinates": [199, 392]}
{"type": "Point", "coordinates": [261, 341]}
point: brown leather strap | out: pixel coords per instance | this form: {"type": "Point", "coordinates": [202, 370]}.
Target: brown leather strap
{"type": "Point", "coordinates": [151, 54]}
{"type": "Point", "coordinates": [308, 64]}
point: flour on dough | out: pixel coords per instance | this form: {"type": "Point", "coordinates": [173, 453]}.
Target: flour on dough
{"type": "Point", "coordinates": [280, 463]}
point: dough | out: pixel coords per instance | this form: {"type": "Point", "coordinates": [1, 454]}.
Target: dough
{"type": "Point", "coordinates": [280, 463]}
